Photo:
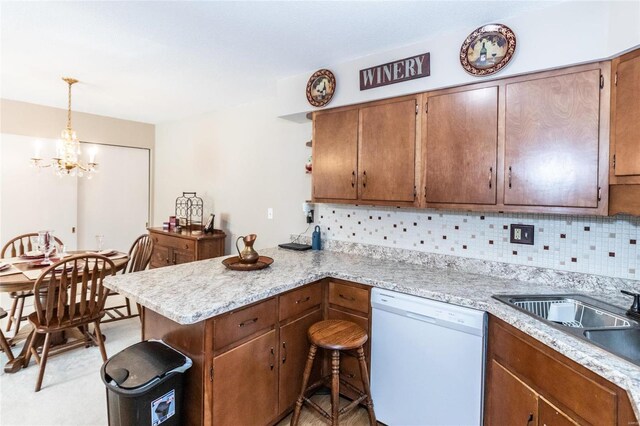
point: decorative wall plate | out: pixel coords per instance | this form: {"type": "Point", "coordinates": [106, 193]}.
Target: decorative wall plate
{"type": "Point", "coordinates": [488, 49]}
{"type": "Point", "coordinates": [321, 87]}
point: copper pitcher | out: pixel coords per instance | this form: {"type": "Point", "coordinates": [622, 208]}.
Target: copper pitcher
{"type": "Point", "coordinates": [248, 254]}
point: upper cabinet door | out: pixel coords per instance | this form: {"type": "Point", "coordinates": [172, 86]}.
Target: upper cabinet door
{"type": "Point", "coordinates": [627, 118]}
{"type": "Point", "coordinates": [335, 155]}
{"type": "Point", "coordinates": [388, 151]}
{"type": "Point", "coordinates": [461, 147]}
{"type": "Point", "coordinates": [551, 145]}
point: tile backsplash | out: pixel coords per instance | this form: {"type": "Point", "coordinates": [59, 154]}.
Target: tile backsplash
{"type": "Point", "coordinates": [595, 245]}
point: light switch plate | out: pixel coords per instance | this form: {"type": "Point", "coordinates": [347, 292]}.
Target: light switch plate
{"type": "Point", "coordinates": [522, 234]}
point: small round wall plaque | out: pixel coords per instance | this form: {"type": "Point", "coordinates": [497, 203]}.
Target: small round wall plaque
{"type": "Point", "coordinates": [488, 49]}
{"type": "Point", "coordinates": [321, 87]}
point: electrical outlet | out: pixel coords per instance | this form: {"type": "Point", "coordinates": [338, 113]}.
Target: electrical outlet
{"type": "Point", "coordinates": [270, 213]}
{"type": "Point", "coordinates": [310, 216]}
{"type": "Point", "coordinates": [522, 234]}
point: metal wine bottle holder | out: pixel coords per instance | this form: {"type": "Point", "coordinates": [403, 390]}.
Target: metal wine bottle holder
{"type": "Point", "coordinates": [189, 210]}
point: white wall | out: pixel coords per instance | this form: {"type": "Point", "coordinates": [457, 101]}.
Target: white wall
{"type": "Point", "coordinates": [562, 34]}
{"type": "Point", "coordinates": [241, 162]}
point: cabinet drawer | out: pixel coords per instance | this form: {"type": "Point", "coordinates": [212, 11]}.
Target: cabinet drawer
{"type": "Point", "coordinates": [173, 242]}
{"type": "Point", "coordinates": [297, 301]}
{"type": "Point", "coordinates": [238, 324]}
{"type": "Point", "coordinates": [349, 296]}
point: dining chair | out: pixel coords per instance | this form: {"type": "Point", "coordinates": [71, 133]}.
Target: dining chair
{"type": "Point", "coordinates": [17, 247]}
{"type": "Point", "coordinates": [139, 258]}
{"type": "Point", "coordinates": [69, 296]}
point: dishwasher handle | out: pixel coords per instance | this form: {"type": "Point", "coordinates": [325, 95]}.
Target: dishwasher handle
{"type": "Point", "coordinates": [422, 318]}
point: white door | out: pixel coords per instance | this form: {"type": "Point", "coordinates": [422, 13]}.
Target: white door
{"type": "Point", "coordinates": [34, 199]}
{"type": "Point", "coordinates": [115, 201]}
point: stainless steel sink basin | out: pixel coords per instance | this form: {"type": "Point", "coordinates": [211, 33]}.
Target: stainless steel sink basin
{"type": "Point", "coordinates": [589, 319]}
{"type": "Point", "coordinates": [622, 342]}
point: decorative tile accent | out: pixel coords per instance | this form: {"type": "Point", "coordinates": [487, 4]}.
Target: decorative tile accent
{"type": "Point", "coordinates": [600, 245]}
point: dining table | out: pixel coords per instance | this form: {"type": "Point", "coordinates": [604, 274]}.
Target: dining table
{"type": "Point", "coordinates": [20, 277]}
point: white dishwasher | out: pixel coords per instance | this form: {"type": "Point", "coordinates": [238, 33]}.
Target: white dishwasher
{"type": "Point", "coordinates": [427, 361]}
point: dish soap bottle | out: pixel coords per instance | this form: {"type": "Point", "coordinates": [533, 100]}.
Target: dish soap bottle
{"type": "Point", "coordinates": [316, 243]}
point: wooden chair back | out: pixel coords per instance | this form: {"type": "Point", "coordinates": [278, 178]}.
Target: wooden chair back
{"type": "Point", "coordinates": [139, 254]}
{"type": "Point", "coordinates": [70, 292]}
{"type": "Point", "coordinates": [21, 244]}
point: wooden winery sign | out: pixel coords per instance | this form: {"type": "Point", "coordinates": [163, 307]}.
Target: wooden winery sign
{"type": "Point", "coordinates": [395, 72]}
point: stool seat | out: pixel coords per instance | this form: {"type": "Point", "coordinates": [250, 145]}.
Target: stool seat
{"type": "Point", "coordinates": [337, 335]}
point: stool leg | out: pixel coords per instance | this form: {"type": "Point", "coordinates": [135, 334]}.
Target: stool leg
{"type": "Point", "coordinates": [335, 387]}
{"type": "Point", "coordinates": [365, 382]}
{"type": "Point", "coordinates": [305, 381]}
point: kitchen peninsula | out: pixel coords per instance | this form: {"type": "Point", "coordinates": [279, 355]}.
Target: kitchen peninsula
{"type": "Point", "coordinates": [246, 332]}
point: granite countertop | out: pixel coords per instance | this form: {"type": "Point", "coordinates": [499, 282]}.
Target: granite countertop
{"type": "Point", "coordinates": [193, 292]}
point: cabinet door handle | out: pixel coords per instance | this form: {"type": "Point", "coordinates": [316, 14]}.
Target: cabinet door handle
{"type": "Point", "coordinates": [490, 177]}
{"type": "Point", "coordinates": [353, 179]}
{"type": "Point", "coordinates": [284, 352]}
{"type": "Point", "coordinates": [530, 419]}
{"type": "Point", "coordinates": [364, 179]}
{"type": "Point", "coordinates": [509, 177]}
{"type": "Point", "coordinates": [350, 375]}
{"type": "Point", "coordinates": [272, 358]}
{"type": "Point", "coordinates": [248, 322]}
{"type": "Point", "coordinates": [350, 298]}
{"type": "Point", "coordinates": [174, 258]}
{"type": "Point", "coordinates": [306, 299]}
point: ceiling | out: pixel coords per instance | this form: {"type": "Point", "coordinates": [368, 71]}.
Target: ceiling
{"type": "Point", "coordinates": [160, 61]}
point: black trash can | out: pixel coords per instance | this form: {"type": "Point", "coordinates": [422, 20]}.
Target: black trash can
{"type": "Point", "coordinates": [145, 385]}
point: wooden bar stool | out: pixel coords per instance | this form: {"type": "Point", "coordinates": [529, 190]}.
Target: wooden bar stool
{"type": "Point", "coordinates": [336, 336]}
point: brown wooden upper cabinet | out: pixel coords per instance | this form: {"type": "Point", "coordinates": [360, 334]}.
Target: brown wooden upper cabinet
{"type": "Point", "coordinates": [387, 152]}
{"type": "Point", "coordinates": [552, 134]}
{"type": "Point", "coordinates": [533, 143]}
{"type": "Point", "coordinates": [626, 117]}
{"type": "Point", "coordinates": [624, 163]}
{"type": "Point", "coordinates": [335, 155]}
{"type": "Point", "coordinates": [461, 146]}
{"type": "Point", "coordinates": [367, 154]}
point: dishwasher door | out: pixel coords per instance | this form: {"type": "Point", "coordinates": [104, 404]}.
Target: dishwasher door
{"type": "Point", "coordinates": [427, 361]}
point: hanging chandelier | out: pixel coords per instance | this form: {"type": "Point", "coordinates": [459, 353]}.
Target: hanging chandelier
{"type": "Point", "coordinates": [67, 159]}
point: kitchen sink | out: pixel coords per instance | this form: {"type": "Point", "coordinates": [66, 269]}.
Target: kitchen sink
{"type": "Point", "coordinates": [572, 311]}
{"type": "Point", "coordinates": [589, 319]}
{"type": "Point", "coordinates": [622, 342]}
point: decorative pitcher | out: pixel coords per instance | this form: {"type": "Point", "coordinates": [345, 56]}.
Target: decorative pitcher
{"type": "Point", "coordinates": [248, 254]}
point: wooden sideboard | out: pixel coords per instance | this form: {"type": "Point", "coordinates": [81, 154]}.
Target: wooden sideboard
{"type": "Point", "coordinates": [174, 248]}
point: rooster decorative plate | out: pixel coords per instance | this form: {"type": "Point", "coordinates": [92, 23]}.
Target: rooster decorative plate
{"type": "Point", "coordinates": [321, 87]}
{"type": "Point", "coordinates": [488, 49]}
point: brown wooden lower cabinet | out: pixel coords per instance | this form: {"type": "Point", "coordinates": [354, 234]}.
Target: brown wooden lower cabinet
{"type": "Point", "coordinates": [248, 364]}
{"type": "Point", "coordinates": [528, 383]}
{"type": "Point", "coordinates": [245, 383]}
{"type": "Point", "coordinates": [294, 346]}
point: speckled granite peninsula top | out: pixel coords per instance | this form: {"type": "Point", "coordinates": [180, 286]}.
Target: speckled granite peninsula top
{"type": "Point", "coordinates": [193, 292]}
